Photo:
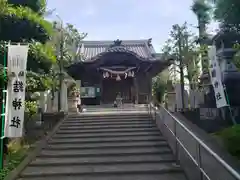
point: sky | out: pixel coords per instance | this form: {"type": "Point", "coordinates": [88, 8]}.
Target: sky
{"type": "Point", "coordinates": [125, 19]}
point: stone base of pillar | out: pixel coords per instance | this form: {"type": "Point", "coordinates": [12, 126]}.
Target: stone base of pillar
{"type": "Point", "coordinates": [72, 105]}
{"type": "Point", "coordinates": [171, 103]}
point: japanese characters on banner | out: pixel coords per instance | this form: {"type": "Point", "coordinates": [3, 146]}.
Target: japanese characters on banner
{"type": "Point", "coordinates": [216, 79]}
{"type": "Point", "coordinates": [17, 62]}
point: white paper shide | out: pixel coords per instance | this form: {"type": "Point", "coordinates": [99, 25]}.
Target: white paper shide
{"type": "Point", "coordinates": [17, 62]}
{"type": "Point", "coordinates": [216, 79]}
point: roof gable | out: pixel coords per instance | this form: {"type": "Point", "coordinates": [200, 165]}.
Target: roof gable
{"type": "Point", "coordinates": [90, 49]}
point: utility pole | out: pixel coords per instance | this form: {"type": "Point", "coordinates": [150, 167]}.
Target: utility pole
{"type": "Point", "coordinates": [180, 36]}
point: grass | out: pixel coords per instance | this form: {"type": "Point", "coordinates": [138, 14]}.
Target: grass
{"type": "Point", "coordinates": [17, 153]}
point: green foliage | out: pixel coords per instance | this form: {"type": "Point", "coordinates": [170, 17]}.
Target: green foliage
{"type": "Point", "coordinates": [22, 24]}
{"type": "Point", "coordinates": [71, 38]}
{"type": "Point", "coordinates": [31, 107]}
{"type": "Point", "coordinates": [37, 82]}
{"type": "Point", "coordinates": [236, 59]}
{"type": "Point", "coordinates": [231, 139]}
{"type": "Point", "coordinates": [182, 45]}
{"type": "Point", "coordinates": [3, 77]}
{"type": "Point", "coordinates": [202, 10]}
{"type": "Point", "coordinates": [41, 57]}
{"type": "Point", "coordinates": [228, 12]}
{"type": "Point", "coordinates": [13, 159]}
{"type": "Point", "coordinates": [38, 6]}
{"type": "Point", "coordinates": [159, 87]}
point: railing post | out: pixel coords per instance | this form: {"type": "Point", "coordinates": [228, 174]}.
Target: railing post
{"type": "Point", "coordinates": [176, 142]}
{"type": "Point", "coordinates": [155, 114]}
{"type": "Point", "coordinates": [199, 160]}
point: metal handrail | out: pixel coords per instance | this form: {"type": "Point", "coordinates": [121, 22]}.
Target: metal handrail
{"type": "Point", "coordinates": [201, 143]}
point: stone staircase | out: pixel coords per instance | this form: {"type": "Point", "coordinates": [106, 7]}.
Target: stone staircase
{"type": "Point", "coordinates": [120, 146]}
{"type": "Point", "coordinates": [110, 108]}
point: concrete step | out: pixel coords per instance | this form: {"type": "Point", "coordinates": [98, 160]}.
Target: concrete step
{"type": "Point", "coordinates": [96, 124]}
{"type": "Point", "coordinates": [107, 126]}
{"type": "Point", "coordinates": [107, 113]}
{"type": "Point", "coordinates": [129, 129]}
{"type": "Point", "coordinates": [107, 134]}
{"type": "Point", "coordinates": [33, 171]}
{"type": "Point", "coordinates": [103, 160]}
{"type": "Point", "coordinates": [136, 176]}
{"type": "Point", "coordinates": [104, 152]}
{"type": "Point", "coordinates": [107, 145]}
{"type": "Point", "coordinates": [113, 117]}
{"type": "Point", "coordinates": [106, 139]}
{"type": "Point", "coordinates": [103, 122]}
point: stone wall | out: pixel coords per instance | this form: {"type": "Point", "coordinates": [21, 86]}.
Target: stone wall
{"type": "Point", "coordinates": [209, 119]}
{"type": "Point", "coordinates": [144, 84]}
{"type": "Point", "coordinates": [34, 128]}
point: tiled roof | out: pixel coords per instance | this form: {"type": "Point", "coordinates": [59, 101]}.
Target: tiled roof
{"type": "Point", "coordinates": [90, 49]}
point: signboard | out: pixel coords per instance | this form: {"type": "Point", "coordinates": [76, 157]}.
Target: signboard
{"type": "Point", "coordinates": [216, 79]}
{"type": "Point", "coordinates": [88, 92]}
{"type": "Point", "coordinates": [17, 62]}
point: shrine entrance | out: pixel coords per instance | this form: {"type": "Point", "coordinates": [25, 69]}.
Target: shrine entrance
{"type": "Point", "coordinates": [112, 67]}
{"type": "Point", "coordinates": [111, 87]}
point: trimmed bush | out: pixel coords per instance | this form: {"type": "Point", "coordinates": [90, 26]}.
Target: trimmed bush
{"type": "Point", "coordinates": [231, 139]}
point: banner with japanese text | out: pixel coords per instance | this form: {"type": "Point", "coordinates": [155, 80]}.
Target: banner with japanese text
{"type": "Point", "coordinates": [17, 63]}
{"type": "Point", "coordinates": [216, 78]}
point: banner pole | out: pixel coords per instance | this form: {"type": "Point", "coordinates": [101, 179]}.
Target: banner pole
{"type": "Point", "coordinates": [229, 107]}
{"type": "Point", "coordinates": [3, 108]}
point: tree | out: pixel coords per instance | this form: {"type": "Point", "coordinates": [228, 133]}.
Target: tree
{"type": "Point", "coordinates": [37, 6]}
{"type": "Point", "coordinates": [227, 13]}
{"type": "Point", "coordinates": [72, 39]}
{"type": "Point", "coordinates": [202, 10]}
{"type": "Point", "coordinates": [182, 45]}
{"type": "Point", "coordinates": [159, 87]}
{"type": "Point", "coordinates": [22, 21]}
{"type": "Point", "coordinates": [21, 24]}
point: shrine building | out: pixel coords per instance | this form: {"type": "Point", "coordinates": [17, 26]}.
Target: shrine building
{"type": "Point", "coordinates": [108, 68]}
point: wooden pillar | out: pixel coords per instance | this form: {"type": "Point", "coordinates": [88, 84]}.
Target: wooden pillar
{"type": "Point", "coordinates": [136, 90]}
{"type": "Point", "coordinates": [149, 88]}
{"type": "Point", "coordinates": [101, 90]}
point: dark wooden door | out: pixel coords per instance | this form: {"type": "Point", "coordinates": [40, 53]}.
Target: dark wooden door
{"type": "Point", "coordinates": [111, 87]}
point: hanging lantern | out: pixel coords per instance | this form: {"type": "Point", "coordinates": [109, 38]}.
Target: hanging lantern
{"type": "Point", "coordinates": [118, 78]}
{"type": "Point", "coordinates": [107, 74]}
{"type": "Point", "coordinates": [126, 75]}
{"type": "Point", "coordinates": [104, 76]}
{"type": "Point", "coordinates": [129, 74]}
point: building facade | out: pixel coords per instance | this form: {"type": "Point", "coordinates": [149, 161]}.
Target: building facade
{"type": "Point", "coordinates": [108, 68]}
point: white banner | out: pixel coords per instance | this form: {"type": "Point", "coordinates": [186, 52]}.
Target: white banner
{"type": "Point", "coordinates": [17, 63]}
{"type": "Point", "coordinates": [216, 78]}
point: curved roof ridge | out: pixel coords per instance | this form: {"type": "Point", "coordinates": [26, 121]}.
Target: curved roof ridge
{"type": "Point", "coordinates": [106, 42]}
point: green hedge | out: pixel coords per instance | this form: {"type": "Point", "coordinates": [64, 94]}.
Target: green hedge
{"type": "Point", "coordinates": [231, 140]}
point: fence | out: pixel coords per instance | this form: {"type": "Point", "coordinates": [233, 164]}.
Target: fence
{"type": "Point", "coordinates": [197, 159]}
